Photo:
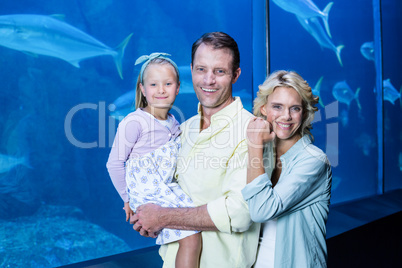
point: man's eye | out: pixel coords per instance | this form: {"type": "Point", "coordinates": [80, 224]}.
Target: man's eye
{"type": "Point", "coordinates": [220, 72]}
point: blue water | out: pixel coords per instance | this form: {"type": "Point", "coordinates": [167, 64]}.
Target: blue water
{"type": "Point", "coordinates": [57, 203]}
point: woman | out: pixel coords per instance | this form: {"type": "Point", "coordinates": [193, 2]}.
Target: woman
{"type": "Point", "coordinates": [289, 179]}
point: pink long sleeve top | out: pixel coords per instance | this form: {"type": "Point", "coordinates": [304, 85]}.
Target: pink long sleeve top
{"type": "Point", "coordinates": [137, 134]}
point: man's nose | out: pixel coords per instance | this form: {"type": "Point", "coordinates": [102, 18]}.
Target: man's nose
{"type": "Point", "coordinates": [209, 78]}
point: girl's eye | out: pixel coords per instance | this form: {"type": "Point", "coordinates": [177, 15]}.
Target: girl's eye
{"type": "Point", "coordinates": [152, 84]}
{"type": "Point", "coordinates": [168, 84]}
{"type": "Point", "coordinates": [277, 107]}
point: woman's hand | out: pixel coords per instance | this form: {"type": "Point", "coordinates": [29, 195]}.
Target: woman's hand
{"type": "Point", "coordinates": [259, 131]}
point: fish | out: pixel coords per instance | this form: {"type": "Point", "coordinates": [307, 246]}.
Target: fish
{"type": "Point", "coordinates": [343, 93]}
{"type": "Point", "coordinates": [8, 162]}
{"type": "Point", "coordinates": [46, 35]}
{"type": "Point", "coordinates": [123, 105]}
{"type": "Point", "coordinates": [316, 90]}
{"type": "Point", "coordinates": [314, 27]}
{"type": "Point", "coordinates": [127, 99]}
{"type": "Point", "coordinates": [344, 117]}
{"type": "Point", "coordinates": [306, 9]}
{"type": "Point", "coordinates": [389, 91]}
{"type": "Point", "coordinates": [366, 143]}
{"type": "Point", "coordinates": [367, 50]}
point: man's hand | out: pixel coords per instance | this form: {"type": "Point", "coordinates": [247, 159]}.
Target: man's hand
{"type": "Point", "coordinates": [146, 220]}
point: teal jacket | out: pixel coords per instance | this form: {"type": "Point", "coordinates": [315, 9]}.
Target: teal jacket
{"type": "Point", "coordinates": [299, 201]}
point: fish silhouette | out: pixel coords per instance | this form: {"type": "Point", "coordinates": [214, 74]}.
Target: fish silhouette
{"type": "Point", "coordinates": [342, 93]}
{"type": "Point", "coordinates": [8, 162]}
{"type": "Point", "coordinates": [366, 143]}
{"type": "Point", "coordinates": [344, 117]}
{"type": "Point", "coordinates": [389, 92]}
{"type": "Point", "coordinates": [306, 9]}
{"type": "Point", "coordinates": [45, 35]}
{"type": "Point", "coordinates": [367, 50]}
{"type": "Point", "coordinates": [317, 89]}
{"type": "Point", "coordinates": [314, 27]}
{"type": "Point", "coordinates": [123, 105]}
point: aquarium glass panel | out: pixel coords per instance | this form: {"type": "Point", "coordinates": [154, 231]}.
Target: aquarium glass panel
{"type": "Point", "coordinates": [325, 42]}
{"type": "Point", "coordinates": [66, 84]}
{"type": "Point", "coordinates": [392, 86]}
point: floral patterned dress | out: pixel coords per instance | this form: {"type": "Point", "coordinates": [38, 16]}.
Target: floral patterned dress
{"type": "Point", "coordinates": [149, 179]}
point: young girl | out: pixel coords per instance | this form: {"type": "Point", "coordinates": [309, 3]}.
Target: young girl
{"type": "Point", "coordinates": [143, 158]}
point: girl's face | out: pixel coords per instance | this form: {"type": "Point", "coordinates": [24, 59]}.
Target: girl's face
{"type": "Point", "coordinates": [160, 86]}
{"type": "Point", "coordinates": [284, 111]}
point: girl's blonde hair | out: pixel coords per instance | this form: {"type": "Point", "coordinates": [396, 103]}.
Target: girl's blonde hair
{"type": "Point", "coordinates": [293, 80]}
{"type": "Point", "coordinates": [140, 100]}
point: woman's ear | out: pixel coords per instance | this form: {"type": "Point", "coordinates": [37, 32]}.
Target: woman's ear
{"type": "Point", "coordinates": [263, 110]}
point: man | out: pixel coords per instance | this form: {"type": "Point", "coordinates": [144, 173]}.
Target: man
{"type": "Point", "coordinates": [212, 165]}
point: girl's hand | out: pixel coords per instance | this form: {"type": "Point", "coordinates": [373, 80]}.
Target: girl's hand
{"type": "Point", "coordinates": [259, 131]}
{"type": "Point", "coordinates": [128, 211]}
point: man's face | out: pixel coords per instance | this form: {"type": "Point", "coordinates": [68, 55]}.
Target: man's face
{"type": "Point", "coordinates": [213, 77]}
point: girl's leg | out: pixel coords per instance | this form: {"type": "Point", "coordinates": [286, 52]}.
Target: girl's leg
{"type": "Point", "coordinates": [189, 252]}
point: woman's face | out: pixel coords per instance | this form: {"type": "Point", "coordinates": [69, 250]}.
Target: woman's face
{"type": "Point", "coordinates": [284, 111]}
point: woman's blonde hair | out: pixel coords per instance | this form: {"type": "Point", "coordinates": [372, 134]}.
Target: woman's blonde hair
{"type": "Point", "coordinates": [293, 80]}
{"type": "Point", "coordinates": [140, 100]}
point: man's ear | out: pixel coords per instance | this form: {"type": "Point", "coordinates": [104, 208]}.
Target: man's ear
{"type": "Point", "coordinates": [236, 75]}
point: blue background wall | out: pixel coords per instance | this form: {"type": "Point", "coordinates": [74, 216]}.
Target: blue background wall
{"type": "Point", "coordinates": [60, 193]}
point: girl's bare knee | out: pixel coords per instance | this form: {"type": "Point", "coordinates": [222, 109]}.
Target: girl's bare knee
{"type": "Point", "coordinates": [193, 241]}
